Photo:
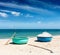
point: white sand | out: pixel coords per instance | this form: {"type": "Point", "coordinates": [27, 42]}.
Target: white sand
{"type": "Point", "coordinates": [26, 49]}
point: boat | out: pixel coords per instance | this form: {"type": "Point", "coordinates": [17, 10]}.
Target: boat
{"type": "Point", "coordinates": [20, 40]}
{"type": "Point", "coordinates": [44, 37]}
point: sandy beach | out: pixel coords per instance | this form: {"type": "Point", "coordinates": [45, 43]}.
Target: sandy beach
{"type": "Point", "coordinates": [26, 49]}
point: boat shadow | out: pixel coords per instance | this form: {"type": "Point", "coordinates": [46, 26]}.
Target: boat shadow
{"type": "Point", "coordinates": [41, 41]}
{"type": "Point", "coordinates": [15, 43]}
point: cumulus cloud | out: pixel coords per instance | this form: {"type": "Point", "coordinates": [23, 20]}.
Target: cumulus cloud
{"type": "Point", "coordinates": [15, 13]}
{"type": "Point", "coordinates": [12, 12]}
{"type": "Point", "coordinates": [3, 14]}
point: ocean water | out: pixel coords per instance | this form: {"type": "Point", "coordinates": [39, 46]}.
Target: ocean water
{"type": "Point", "coordinates": [7, 33]}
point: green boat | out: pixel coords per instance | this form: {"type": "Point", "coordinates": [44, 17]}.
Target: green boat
{"type": "Point", "coordinates": [20, 40]}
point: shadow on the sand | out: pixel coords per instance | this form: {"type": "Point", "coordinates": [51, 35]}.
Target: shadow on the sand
{"type": "Point", "coordinates": [16, 44]}
{"type": "Point", "coordinates": [40, 41]}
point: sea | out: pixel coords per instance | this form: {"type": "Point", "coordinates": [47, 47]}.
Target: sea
{"type": "Point", "coordinates": [7, 33]}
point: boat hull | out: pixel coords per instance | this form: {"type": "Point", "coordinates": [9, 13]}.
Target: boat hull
{"type": "Point", "coordinates": [20, 40]}
{"type": "Point", "coordinates": [44, 39]}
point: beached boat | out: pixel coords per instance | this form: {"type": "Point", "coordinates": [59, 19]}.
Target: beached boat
{"type": "Point", "coordinates": [20, 40]}
{"type": "Point", "coordinates": [44, 37]}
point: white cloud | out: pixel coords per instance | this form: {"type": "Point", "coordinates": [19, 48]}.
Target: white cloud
{"type": "Point", "coordinates": [5, 11]}
{"type": "Point", "coordinates": [15, 13]}
{"type": "Point", "coordinates": [26, 7]}
{"type": "Point", "coordinates": [3, 14]}
{"type": "Point", "coordinates": [28, 15]}
{"type": "Point", "coordinates": [12, 12]}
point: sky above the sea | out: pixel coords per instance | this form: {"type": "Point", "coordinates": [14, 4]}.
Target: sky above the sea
{"type": "Point", "coordinates": [29, 14]}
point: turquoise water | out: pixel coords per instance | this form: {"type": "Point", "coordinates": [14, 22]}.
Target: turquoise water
{"type": "Point", "coordinates": [6, 33]}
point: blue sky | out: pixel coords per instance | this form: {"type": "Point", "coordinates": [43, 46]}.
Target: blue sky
{"type": "Point", "coordinates": [30, 14]}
